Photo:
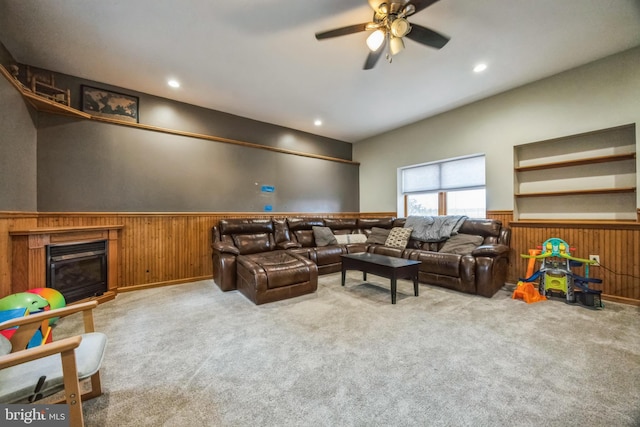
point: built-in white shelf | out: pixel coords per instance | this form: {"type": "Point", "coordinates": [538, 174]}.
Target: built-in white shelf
{"type": "Point", "coordinates": [588, 176]}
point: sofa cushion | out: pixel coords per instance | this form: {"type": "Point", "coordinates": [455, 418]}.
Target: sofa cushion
{"type": "Point", "coordinates": [369, 223]}
{"type": "Point", "coordinates": [461, 244]}
{"type": "Point", "coordinates": [280, 267]}
{"type": "Point", "coordinates": [398, 237]}
{"type": "Point", "coordinates": [305, 238]}
{"type": "Point", "coordinates": [325, 255]}
{"type": "Point", "coordinates": [341, 223]}
{"type": "Point", "coordinates": [445, 264]}
{"type": "Point", "coordinates": [481, 227]}
{"type": "Point", "coordinates": [245, 226]}
{"type": "Point", "coordinates": [345, 239]}
{"type": "Point", "coordinates": [324, 236]}
{"type": "Point", "coordinates": [378, 235]}
{"type": "Point", "coordinates": [387, 250]}
{"type": "Point", "coordinates": [252, 243]}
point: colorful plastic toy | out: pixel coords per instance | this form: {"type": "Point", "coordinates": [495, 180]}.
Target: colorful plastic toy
{"type": "Point", "coordinates": [555, 275]}
{"type": "Point", "coordinates": [527, 291]}
{"type": "Point", "coordinates": [53, 297]}
{"type": "Point", "coordinates": [23, 304]}
{"type": "Point", "coordinates": [32, 302]}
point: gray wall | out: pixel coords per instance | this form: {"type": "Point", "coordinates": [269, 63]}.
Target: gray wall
{"type": "Point", "coordinates": [17, 152]}
{"type": "Point", "coordinates": [94, 167]}
{"type": "Point", "coordinates": [599, 95]}
{"type": "Point", "coordinates": [52, 163]}
{"type": "Point", "coordinates": [166, 113]}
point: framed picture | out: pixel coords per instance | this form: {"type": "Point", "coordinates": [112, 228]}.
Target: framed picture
{"type": "Point", "coordinates": [109, 104]}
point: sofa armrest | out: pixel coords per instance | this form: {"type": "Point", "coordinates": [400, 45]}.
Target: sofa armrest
{"type": "Point", "coordinates": [491, 251]}
{"type": "Point", "coordinates": [225, 248]}
{"type": "Point", "coordinates": [288, 245]}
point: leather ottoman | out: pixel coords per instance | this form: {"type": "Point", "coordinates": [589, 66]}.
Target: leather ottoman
{"type": "Point", "coordinates": [276, 275]}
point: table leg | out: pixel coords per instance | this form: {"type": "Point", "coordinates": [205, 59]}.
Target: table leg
{"type": "Point", "coordinates": [415, 284]}
{"type": "Point", "coordinates": [393, 290]}
{"type": "Point", "coordinates": [344, 274]}
{"type": "Point", "coordinates": [364, 276]}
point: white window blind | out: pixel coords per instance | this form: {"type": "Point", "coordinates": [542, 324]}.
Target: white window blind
{"type": "Point", "coordinates": [447, 175]}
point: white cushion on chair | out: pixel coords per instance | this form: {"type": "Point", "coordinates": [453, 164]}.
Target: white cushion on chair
{"type": "Point", "coordinates": [5, 345]}
{"type": "Point", "coordinates": [18, 382]}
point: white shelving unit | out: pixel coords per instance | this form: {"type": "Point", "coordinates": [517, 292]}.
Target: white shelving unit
{"type": "Point", "coordinates": [589, 176]}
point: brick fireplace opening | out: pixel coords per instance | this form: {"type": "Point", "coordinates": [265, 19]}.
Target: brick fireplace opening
{"type": "Point", "coordinates": [77, 271]}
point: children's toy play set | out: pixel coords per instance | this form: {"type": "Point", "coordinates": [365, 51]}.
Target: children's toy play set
{"type": "Point", "coordinates": [556, 278]}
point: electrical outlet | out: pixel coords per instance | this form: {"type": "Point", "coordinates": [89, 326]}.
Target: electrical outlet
{"type": "Point", "coordinates": [595, 258]}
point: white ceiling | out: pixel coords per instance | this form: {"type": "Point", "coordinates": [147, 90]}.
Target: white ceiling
{"type": "Point", "coordinates": [260, 59]}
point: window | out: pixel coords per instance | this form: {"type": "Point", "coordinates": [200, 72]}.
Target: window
{"type": "Point", "coordinates": [448, 187]}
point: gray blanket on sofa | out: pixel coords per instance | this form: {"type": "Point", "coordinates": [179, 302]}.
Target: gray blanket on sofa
{"type": "Point", "coordinates": [434, 228]}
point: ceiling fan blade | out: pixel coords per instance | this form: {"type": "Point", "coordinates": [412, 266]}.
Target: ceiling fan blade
{"type": "Point", "coordinates": [341, 31]}
{"type": "Point", "coordinates": [427, 37]}
{"type": "Point", "coordinates": [373, 57]}
{"type": "Point", "coordinates": [421, 5]}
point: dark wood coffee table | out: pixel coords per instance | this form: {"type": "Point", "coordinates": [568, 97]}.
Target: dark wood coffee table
{"type": "Point", "coordinates": [382, 265]}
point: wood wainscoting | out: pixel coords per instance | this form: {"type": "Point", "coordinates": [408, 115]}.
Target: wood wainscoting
{"type": "Point", "coordinates": [11, 221]}
{"type": "Point", "coordinates": [169, 248]}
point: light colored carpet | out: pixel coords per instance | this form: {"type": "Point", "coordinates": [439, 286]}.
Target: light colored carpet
{"type": "Point", "coordinates": [191, 355]}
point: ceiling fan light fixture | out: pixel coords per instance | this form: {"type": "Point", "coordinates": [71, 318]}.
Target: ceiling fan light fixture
{"type": "Point", "coordinates": [383, 8]}
{"type": "Point", "coordinates": [409, 9]}
{"type": "Point", "coordinates": [396, 45]}
{"type": "Point", "coordinates": [375, 40]}
{"type": "Point", "coordinates": [400, 27]}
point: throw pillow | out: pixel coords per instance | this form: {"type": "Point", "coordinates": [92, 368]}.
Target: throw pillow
{"type": "Point", "coordinates": [378, 235]}
{"type": "Point", "coordinates": [345, 239]}
{"type": "Point", "coordinates": [461, 244]}
{"type": "Point", "coordinates": [323, 236]}
{"type": "Point", "coordinates": [398, 237]}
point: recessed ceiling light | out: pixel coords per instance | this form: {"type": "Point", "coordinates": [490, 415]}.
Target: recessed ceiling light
{"type": "Point", "coordinates": [480, 68]}
{"type": "Point", "coordinates": [173, 83]}
{"type": "Point", "coordinates": [317, 122]}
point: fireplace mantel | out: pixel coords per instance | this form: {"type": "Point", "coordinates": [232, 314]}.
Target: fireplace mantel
{"type": "Point", "coordinates": [29, 253]}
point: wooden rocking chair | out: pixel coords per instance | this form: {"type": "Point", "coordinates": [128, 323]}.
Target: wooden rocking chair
{"type": "Point", "coordinates": [30, 374]}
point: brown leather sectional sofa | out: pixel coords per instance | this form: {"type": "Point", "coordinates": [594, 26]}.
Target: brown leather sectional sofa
{"type": "Point", "coordinates": [240, 246]}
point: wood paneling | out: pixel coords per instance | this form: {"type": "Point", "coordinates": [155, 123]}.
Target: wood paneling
{"type": "Point", "coordinates": [169, 248]}
{"type": "Point", "coordinates": [11, 221]}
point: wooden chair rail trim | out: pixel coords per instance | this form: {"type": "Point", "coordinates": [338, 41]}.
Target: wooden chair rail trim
{"type": "Point", "coordinates": [611, 225]}
{"type": "Point", "coordinates": [58, 230]}
{"type": "Point", "coordinates": [217, 214]}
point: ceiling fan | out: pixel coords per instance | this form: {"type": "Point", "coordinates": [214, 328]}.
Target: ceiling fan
{"type": "Point", "coordinates": [388, 28]}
